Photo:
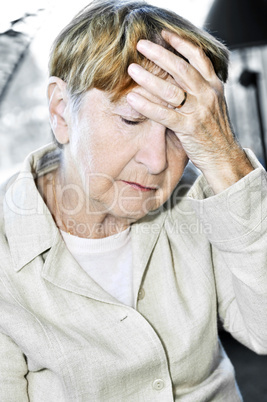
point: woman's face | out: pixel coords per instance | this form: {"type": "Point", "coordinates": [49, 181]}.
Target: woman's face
{"type": "Point", "coordinates": [126, 164]}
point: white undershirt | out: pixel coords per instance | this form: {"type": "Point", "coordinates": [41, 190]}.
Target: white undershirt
{"type": "Point", "coordinates": [108, 261]}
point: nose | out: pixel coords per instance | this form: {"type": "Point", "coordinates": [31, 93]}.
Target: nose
{"type": "Point", "coordinates": [153, 149]}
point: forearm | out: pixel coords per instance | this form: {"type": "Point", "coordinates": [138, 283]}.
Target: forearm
{"type": "Point", "coordinates": [238, 221]}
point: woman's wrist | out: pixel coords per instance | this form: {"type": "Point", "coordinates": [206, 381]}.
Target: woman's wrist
{"type": "Point", "coordinates": [225, 174]}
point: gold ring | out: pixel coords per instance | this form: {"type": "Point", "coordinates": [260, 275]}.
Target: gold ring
{"type": "Point", "coordinates": [183, 102]}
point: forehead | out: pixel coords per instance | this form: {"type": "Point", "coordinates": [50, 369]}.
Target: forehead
{"type": "Point", "coordinates": [149, 93]}
{"type": "Point", "coordinates": [98, 101]}
{"type": "Point", "coordinates": [101, 100]}
{"type": "Point", "coordinates": [122, 102]}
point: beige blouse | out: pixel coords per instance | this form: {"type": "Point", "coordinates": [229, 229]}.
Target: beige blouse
{"type": "Point", "coordinates": [63, 338]}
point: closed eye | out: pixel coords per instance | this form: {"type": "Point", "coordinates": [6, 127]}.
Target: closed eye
{"type": "Point", "coordinates": [131, 122]}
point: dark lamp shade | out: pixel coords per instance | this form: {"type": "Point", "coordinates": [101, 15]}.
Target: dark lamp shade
{"type": "Point", "coordinates": [238, 23]}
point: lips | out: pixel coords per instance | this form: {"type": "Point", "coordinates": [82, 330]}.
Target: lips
{"type": "Point", "coordinates": [139, 187]}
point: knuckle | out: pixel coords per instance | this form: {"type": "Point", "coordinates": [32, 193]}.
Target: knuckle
{"type": "Point", "coordinates": [182, 66]}
{"type": "Point", "coordinates": [167, 117]}
{"type": "Point", "coordinates": [146, 79]}
{"type": "Point", "coordinates": [172, 94]}
{"type": "Point", "coordinates": [162, 114]}
{"type": "Point", "coordinates": [212, 95]}
{"type": "Point", "coordinates": [212, 101]}
{"type": "Point", "coordinates": [209, 94]}
{"type": "Point", "coordinates": [158, 52]}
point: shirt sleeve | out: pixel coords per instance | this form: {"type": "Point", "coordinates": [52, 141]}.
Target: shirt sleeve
{"type": "Point", "coordinates": [237, 220]}
{"type": "Point", "coordinates": [13, 369]}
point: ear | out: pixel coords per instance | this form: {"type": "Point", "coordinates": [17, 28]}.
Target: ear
{"type": "Point", "coordinates": [57, 97]}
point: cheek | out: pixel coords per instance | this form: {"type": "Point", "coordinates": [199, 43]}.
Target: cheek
{"type": "Point", "coordinates": [85, 151]}
{"type": "Point", "coordinates": [104, 147]}
{"type": "Point", "coordinates": [99, 166]}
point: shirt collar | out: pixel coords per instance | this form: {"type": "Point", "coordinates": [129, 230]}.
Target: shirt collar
{"type": "Point", "coordinates": [29, 226]}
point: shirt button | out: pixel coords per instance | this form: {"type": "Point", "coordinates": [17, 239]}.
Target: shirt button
{"type": "Point", "coordinates": [158, 384]}
{"type": "Point", "coordinates": [141, 294]}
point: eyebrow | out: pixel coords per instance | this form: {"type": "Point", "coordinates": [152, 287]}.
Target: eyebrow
{"type": "Point", "coordinates": [128, 110]}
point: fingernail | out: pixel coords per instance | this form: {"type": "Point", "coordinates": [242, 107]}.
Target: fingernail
{"type": "Point", "coordinates": [165, 33]}
{"type": "Point", "coordinates": [132, 97]}
{"type": "Point", "coordinates": [143, 44]}
{"type": "Point", "coordinates": [134, 69]}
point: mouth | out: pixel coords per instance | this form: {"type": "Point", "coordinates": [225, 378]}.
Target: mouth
{"type": "Point", "coordinates": [139, 187]}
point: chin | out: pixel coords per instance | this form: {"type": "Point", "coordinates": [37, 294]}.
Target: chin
{"type": "Point", "coordinates": [133, 214]}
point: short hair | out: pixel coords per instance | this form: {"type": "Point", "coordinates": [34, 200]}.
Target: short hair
{"type": "Point", "coordinates": [95, 49]}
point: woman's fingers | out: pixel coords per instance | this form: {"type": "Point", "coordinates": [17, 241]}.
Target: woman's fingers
{"type": "Point", "coordinates": [184, 74]}
{"type": "Point", "coordinates": [196, 56]}
{"type": "Point", "coordinates": [201, 124]}
{"type": "Point", "coordinates": [158, 112]}
{"type": "Point", "coordinates": [166, 90]}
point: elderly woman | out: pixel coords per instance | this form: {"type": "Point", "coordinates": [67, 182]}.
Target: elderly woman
{"type": "Point", "coordinates": [114, 265]}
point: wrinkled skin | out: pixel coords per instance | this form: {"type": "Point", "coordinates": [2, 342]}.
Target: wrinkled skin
{"type": "Point", "coordinates": [202, 123]}
{"type": "Point", "coordinates": [113, 149]}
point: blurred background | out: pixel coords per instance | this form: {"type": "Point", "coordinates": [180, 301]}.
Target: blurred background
{"type": "Point", "coordinates": [27, 30]}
